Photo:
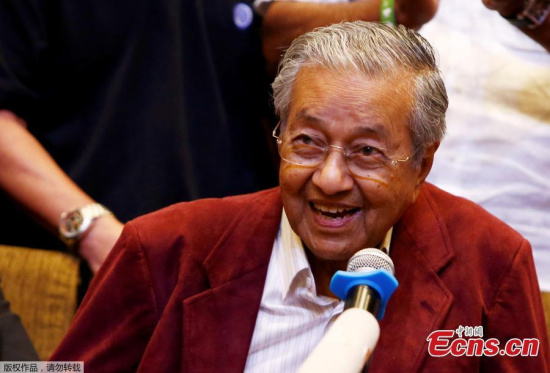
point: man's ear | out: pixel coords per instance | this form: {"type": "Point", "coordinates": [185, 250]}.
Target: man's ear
{"type": "Point", "coordinates": [426, 164]}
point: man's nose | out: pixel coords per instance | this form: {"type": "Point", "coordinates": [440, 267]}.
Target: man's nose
{"type": "Point", "coordinates": [333, 175]}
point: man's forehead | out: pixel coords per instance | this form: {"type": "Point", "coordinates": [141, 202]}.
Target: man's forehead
{"type": "Point", "coordinates": [362, 125]}
{"type": "Point", "coordinates": [398, 75]}
{"type": "Point", "coordinates": [319, 84]}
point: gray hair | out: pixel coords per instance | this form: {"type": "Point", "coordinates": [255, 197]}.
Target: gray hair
{"type": "Point", "coordinates": [376, 50]}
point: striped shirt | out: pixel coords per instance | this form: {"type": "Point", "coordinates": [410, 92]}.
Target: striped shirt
{"type": "Point", "coordinates": [292, 317]}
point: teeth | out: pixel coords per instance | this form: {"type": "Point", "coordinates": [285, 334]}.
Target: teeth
{"type": "Point", "coordinates": [331, 210]}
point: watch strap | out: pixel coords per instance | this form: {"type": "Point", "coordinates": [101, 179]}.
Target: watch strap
{"type": "Point", "coordinates": [74, 223]}
{"type": "Point", "coordinates": [533, 14]}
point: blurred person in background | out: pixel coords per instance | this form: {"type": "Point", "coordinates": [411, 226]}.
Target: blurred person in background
{"type": "Point", "coordinates": [497, 148]}
{"type": "Point", "coordinates": [112, 109]}
{"type": "Point", "coordinates": [285, 20]}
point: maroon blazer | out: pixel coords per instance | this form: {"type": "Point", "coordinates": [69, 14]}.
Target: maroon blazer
{"type": "Point", "coordinates": [181, 290]}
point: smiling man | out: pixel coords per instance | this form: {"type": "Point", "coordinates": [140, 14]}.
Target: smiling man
{"type": "Point", "coordinates": [348, 172]}
{"type": "Point", "coordinates": [242, 283]}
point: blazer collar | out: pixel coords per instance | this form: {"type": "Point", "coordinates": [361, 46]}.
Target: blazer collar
{"type": "Point", "coordinates": [219, 323]}
{"type": "Point", "coordinates": [421, 251]}
{"type": "Point", "coordinates": [426, 232]}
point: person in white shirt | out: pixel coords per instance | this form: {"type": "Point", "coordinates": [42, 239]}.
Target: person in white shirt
{"type": "Point", "coordinates": [497, 148]}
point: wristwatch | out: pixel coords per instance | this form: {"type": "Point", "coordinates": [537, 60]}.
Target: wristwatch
{"type": "Point", "coordinates": [533, 14]}
{"type": "Point", "coordinates": [74, 223]}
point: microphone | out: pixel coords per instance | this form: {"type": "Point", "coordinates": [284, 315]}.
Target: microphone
{"type": "Point", "coordinates": [365, 287]}
{"type": "Point", "coordinates": [368, 282]}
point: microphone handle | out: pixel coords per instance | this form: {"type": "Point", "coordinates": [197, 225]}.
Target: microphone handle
{"type": "Point", "coordinates": [347, 345]}
{"type": "Point", "coordinates": [364, 297]}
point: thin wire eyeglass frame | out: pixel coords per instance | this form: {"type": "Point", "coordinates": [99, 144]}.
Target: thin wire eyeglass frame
{"type": "Point", "coordinates": [326, 151]}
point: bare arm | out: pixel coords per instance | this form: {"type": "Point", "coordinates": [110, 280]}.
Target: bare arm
{"type": "Point", "coordinates": [286, 20]}
{"type": "Point", "coordinates": [32, 178]}
{"type": "Point", "coordinates": [541, 34]}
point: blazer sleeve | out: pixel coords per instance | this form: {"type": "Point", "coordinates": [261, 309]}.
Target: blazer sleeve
{"type": "Point", "coordinates": [517, 312]}
{"type": "Point", "coordinates": [118, 314]}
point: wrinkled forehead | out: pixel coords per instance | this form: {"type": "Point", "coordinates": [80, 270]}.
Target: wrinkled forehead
{"type": "Point", "coordinates": [319, 94]}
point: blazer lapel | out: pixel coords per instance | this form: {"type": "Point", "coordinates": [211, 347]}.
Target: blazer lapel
{"type": "Point", "coordinates": [420, 251]}
{"type": "Point", "coordinates": [219, 323]}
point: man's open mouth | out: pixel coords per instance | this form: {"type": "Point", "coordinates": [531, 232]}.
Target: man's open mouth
{"type": "Point", "coordinates": [333, 212]}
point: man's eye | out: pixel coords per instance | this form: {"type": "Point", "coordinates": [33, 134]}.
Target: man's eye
{"type": "Point", "coordinates": [303, 139]}
{"type": "Point", "coordinates": [368, 151]}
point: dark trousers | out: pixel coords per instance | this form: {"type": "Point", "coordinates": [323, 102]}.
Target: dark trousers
{"type": "Point", "coordinates": [15, 344]}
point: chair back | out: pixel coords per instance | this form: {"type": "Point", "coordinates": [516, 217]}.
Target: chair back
{"type": "Point", "coordinates": [41, 286]}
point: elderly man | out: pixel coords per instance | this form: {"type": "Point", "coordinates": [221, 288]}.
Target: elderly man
{"type": "Point", "coordinates": [242, 283]}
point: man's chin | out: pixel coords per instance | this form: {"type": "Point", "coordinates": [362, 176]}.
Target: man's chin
{"type": "Point", "coordinates": [330, 252]}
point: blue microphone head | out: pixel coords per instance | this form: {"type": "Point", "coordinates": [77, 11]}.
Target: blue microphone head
{"type": "Point", "coordinates": [370, 259]}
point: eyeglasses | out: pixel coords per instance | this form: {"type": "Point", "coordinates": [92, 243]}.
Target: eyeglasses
{"type": "Point", "coordinates": [307, 150]}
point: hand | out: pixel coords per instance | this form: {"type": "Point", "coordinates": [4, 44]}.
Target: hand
{"type": "Point", "coordinates": [99, 239]}
{"type": "Point", "coordinates": [415, 13]}
{"type": "Point", "coordinates": [504, 7]}
{"type": "Point", "coordinates": [508, 8]}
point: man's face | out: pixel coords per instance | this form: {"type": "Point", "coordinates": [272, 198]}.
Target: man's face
{"type": "Point", "coordinates": [335, 212]}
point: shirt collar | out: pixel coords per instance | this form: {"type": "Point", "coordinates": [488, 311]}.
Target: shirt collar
{"type": "Point", "coordinates": [295, 272]}
{"type": "Point", "coordinates": [291, 257]}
